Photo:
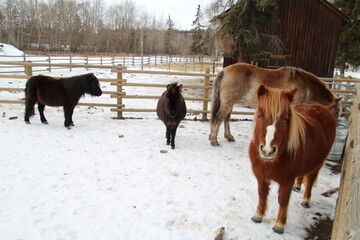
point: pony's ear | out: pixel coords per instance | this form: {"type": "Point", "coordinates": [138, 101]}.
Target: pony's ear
{"type": "Point", "coordinates": [262, 90]}
{"type": "Point", "coordinates": [334, 105]}
{"type": "Point", "coordinates": [180, 87]}
{"type": "Point", "coordinates": [337, 100]}
{"type": "Point", "coordinates": [290, 94]}
{"type": "Point", "coordinates": [168, 87]}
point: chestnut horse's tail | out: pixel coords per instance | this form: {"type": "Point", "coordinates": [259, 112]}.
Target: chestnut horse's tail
{"type": "Point", "coordinates": [215, 102]}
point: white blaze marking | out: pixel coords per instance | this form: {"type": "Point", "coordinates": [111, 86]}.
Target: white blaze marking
{"type": "Point", "coordinates": [270, 132]}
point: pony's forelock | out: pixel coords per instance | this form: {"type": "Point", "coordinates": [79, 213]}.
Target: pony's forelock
{"type": "Point", "coordinates": [272, 105]}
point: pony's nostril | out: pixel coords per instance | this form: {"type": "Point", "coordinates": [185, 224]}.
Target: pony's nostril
{"type": "Point", "coordinates": [261, 147]}
{"type": "Point", "coordinates": [274, 150]}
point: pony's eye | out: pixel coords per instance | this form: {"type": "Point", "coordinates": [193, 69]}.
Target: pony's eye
{"type": "Point", "coordinates": [259, 116]}
{"type": "Point", "coordinates": [285, 119]}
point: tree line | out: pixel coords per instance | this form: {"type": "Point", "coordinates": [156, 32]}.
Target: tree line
{"type": "Point", "coordinates": [91, 26]}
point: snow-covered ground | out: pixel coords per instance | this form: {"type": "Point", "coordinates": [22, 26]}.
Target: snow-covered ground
{"type": "Point", "coordinates": [107, 179]}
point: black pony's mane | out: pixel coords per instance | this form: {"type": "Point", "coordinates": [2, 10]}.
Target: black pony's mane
{"type": "Point", "coordinates": [76, 85]}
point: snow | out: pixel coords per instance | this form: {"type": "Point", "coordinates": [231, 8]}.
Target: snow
{"type": "Point", "coordinates": [107, 179]}
{"type": "Point", "coordinates": [9, 50]}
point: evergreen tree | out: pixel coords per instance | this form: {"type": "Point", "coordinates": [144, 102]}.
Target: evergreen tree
{"type": "Point", "coordinates": [169, 36]}
{"type": "Point", "coordinates": [241, 28]}
{"type": "Point", "coordinates": [198, 43]}
{"type": "Point", "coordinates": [349, 41]}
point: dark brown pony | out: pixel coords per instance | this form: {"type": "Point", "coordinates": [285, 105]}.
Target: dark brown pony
{"type": "Point", "coordinates": [289, 142]}
{"type": "Point", "coordinates": [66, 92]}
{"type": "Point", "coordinates": [171, 109]}
{"type": "Point", "coordinates": [237, 83]}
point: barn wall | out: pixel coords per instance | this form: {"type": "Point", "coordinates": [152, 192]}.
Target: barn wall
{"type": "Point", "coordinates": [310, 32]}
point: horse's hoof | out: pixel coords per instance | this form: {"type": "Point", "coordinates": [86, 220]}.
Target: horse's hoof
{"type": "Point", "coordinates": [72, 124]}
{"type": "Point", "coordinates": [256, 219]}
{"type": "Point", "coordinates": [231, 139]}
{"type": "Point", "coordinates": [305, 204]}
{"type": "Point", "coordinates": [279, 230]}
{"type": "Point", "coordinates": [296, 189]}
{"type": "Point", "coordinates": [172, 147]}
{"type": "Point", "coordinates": [167, 143]}
{"type": "Point", "coordinates": [27, 122]}
{"type": "Point", "coordinates": [45, 122]}
{"type": "Point", "coordinates": [68, 127]}
{"type": "Point", "coordinates": [215, 144]}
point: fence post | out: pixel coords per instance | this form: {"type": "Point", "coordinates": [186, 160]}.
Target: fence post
{"type": "Point", "coordinates": [49, 60]}
{"type": "Point", "coordinates": [28, 69]}
{"type": "Point", "coordinates": [119, 92]}
{"type": "Point", "coordinates": [206, 93]}
{"type": "Point", "coordinates": [70, 61]}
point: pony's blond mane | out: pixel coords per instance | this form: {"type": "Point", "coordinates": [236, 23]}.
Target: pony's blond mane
{"type": "Point", "coordinates": [275, 103]}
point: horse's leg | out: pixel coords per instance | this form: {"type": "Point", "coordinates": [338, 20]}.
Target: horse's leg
{"type": "Point", "coordinates": [223, 112]}
{"type": "Point", "coordinates": [41, 108]}
{"type": "Point", "coordinates": [310, 179]}
{"type": "Point", "coordinates": [168, 135]}
{"type": "Point", "coordinates": [67, 113]}
{"type": "Point", "coordinates": [263, 192]}
{"type": "Point", "coordinates": [283, 199]}
{"type": "Point", "coordinates": [298, 182]}
{"type": "Point", "coordinates": [227, 133]}
{"type": "Point", "coordinates": [71, 114]}
{"type": "Point", "coordinates": [173, 133]}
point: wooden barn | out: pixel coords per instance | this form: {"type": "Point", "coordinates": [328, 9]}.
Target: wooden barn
{"type": "Point", "coordinates": [309, 31]}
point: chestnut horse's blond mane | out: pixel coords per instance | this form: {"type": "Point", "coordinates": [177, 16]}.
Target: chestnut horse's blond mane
{"type": "Point", "coordinates": [273, 104]}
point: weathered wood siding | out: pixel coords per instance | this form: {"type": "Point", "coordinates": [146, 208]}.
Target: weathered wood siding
{"type": "Point", "coordinates": [309, 30]}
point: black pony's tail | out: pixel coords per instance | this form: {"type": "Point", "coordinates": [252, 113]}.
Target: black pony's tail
{"type": "Point", "coordinates": [215, 102]}
{"type": "Point", "coordinates": [32, 110]}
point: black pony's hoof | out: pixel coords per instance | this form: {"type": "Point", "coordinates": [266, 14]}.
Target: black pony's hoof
{"type": "Point", "coordinates": [256, 219]}
{"type": "Point", "coordinates": [68, 127]}
{"type": "Point", "coordinates": [305, 204]}
{"type": "Point", "coordinates": [72, 124]}
{"type": "Point", "coordinates": [172, 147]}
{"type": "Point", "coordinates": [27, 122]}
{"type": "Point", "coordinates": [167, 143]}
{"type": "Point", "coordinates": [296, 189]}
{"type": "Point", "coordinates": [279, 230]}
{"type": "Point", "coordinates": [45, 122]}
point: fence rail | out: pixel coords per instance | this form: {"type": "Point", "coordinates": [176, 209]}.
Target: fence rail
{"type": "Point", "coordinates": [118, 94]}
{"type": "Point", "coordinates": [187, 63]}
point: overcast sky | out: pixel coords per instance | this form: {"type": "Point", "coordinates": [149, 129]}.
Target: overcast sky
{"type": "Point", "coordinates": [182, 12]}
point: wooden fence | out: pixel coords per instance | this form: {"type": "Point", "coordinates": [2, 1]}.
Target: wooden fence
{"type": "Point", "coordinates": [183, 63]}
{"type": "Point", "coordinates": [347, 214]}
{"type": "Point", "coordinates": [115, 101]}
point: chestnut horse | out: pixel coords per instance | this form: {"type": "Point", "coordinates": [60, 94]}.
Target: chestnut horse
{"type": "Point", "coordinates": [66, 92]}
{"type": "Point", "coordinates": [289, 142]}
{"type": "Point", "coordinates": [171, 109]}
{"type": "Point", "coordinates": [237, 83]}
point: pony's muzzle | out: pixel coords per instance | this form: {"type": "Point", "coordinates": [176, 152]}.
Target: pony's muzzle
{"type": "Point", "coordinates": [267, 152]}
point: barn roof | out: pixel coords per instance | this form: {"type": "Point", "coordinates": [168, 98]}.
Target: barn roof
{"type": "Point", "coordinates": [343, 16]}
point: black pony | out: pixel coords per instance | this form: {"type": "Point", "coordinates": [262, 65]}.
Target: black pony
{"type": "Point", "coordinates": [66, 92]}
{"type": "Point", "coordinates": [171, 109]}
